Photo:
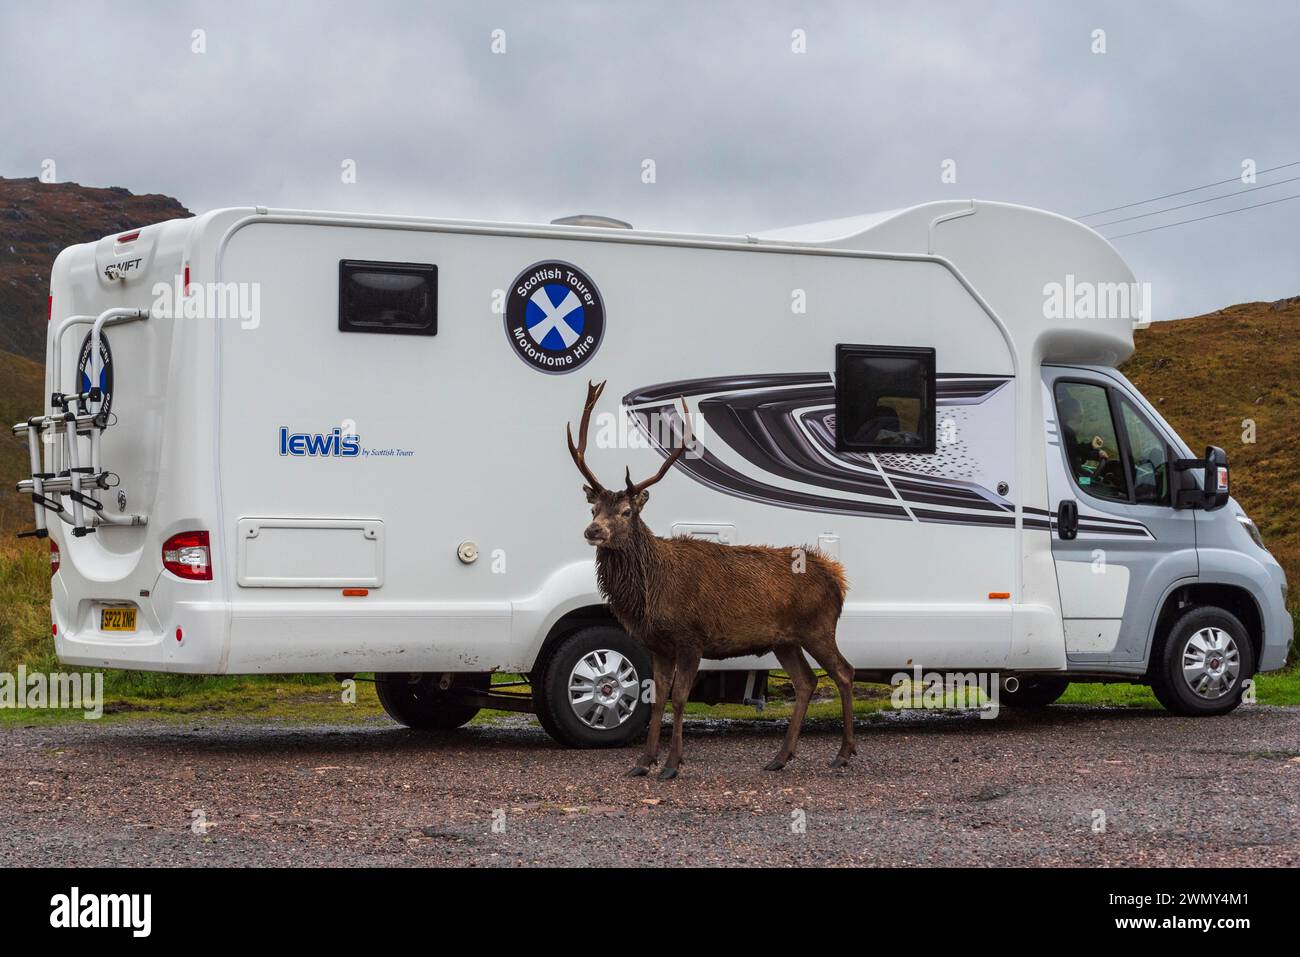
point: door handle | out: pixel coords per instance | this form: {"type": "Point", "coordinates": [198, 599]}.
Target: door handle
{"type": "Point", "coordinates": [1067, 519]}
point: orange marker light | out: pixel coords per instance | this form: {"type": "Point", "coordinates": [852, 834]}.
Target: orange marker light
{"type": "Point", "coordinates": [999, 594]}
{"type": "Point", "coordinates": [356, 592]}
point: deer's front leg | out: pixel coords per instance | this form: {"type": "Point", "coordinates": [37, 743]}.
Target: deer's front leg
{"type": "Point", "coordinates": [659, 688]}
{"type": "Point", "coordinates": [683, 680]}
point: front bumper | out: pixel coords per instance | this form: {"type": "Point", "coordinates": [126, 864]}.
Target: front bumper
{"type": "Point", "coordinates": [1279, 627]}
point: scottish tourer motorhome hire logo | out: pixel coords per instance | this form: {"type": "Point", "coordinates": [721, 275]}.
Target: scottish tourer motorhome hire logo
{"type": "Point", "coordinates": [105, 383]}
{"type": "Point", "coordinates": [555, 317]}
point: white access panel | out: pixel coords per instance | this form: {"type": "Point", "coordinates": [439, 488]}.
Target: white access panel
{"type": "Point", "coordinates": [311, 553]}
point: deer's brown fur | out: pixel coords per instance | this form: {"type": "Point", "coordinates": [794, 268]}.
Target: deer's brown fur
{"type": "Point", "coordinates": [686, 599]}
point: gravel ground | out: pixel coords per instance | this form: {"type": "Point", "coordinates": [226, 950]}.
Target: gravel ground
{"type": "Point", "coordinates": [924, 789]}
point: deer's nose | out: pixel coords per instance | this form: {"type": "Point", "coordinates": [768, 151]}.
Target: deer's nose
{"type": "Point", "coordinates": [594, 532]}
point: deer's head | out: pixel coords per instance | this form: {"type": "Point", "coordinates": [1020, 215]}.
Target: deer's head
{"type": "Point", "coordinates": [615, 516]}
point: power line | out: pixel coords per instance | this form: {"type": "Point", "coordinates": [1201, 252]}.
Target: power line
{"type": "Point", "coordinates": [1199, 202]}
{"type": "Point", "coordinates": [1181, 192]}
{"type": "Point", "coordinates": [1182, 222]}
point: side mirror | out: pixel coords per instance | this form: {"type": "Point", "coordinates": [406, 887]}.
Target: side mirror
{"type": "Point", "coordinates": [1216, 478]}
{"type": "Point", "coordinates": [1213, 492]}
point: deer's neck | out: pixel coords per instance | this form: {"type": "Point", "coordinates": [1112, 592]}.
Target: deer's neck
{"type": "Point", "coordinates": [629, 578]}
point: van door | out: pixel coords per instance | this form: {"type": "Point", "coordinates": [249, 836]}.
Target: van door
{"type": "Point", "coordinates": [1117, 541]}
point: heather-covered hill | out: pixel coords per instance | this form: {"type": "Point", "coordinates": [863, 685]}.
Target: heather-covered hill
{"type": "Point", "coordinates": [37, 221]}
{"type": "Point", "coordinates": [1211, 376]}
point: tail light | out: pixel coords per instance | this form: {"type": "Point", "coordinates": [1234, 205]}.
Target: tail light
{"type": "Point", "coordinates": [54, 559]}
{"type": "Point", "coordinates": [187, 555]}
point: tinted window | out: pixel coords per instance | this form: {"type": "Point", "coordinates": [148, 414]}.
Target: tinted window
{"type": "Point", "coordinates": [884, 399]}
{"type": "Point", "coordinates": [1148, 457]}
{"type": "Point", "coordinates": [397, 298]}
{"type": "Point", "coordinates": [1090, 441]}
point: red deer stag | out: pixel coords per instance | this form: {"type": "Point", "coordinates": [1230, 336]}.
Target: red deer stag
{"type": "Point", "coordinates": [687, 599]}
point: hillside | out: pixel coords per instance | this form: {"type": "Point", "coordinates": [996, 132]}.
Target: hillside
{"type": "Point", "coordinates": [37, 220]}
{"type": "Point", "coordinates": [1207, 375]}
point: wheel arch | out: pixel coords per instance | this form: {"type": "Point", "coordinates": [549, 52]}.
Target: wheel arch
{"type": "Point", "coordinates": [567, 624]}
{"type": "Point", "coordinates": [1230, 596]}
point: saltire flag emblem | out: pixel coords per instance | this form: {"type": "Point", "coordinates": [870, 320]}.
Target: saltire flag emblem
{"type": "Point", "coordinates": [554, 317]}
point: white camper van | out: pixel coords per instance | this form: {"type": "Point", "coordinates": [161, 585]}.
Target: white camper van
{"type": "Point", "coordinates": [285, 441]}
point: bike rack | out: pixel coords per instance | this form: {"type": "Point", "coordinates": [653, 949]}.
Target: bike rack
{"type": "Point", "coordinates": [60, 472]}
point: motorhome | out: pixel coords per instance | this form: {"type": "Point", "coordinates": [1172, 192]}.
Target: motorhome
{"type": "Point", "coordinates": [279, 441]}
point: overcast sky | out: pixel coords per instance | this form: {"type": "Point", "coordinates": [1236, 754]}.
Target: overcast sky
{"type": "Point", "coordinates": [745, 133]}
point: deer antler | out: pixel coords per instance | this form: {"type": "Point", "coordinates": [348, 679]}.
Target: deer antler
{"type": "Point", "coordinates": [637, 488]}
{"type": "Point", "coordinates": [579, 451]}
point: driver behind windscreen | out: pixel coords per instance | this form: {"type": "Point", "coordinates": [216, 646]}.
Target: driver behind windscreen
{"type": "Point", "coordinates": [1087, 456]}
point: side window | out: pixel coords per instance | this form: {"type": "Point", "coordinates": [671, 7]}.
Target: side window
{"type": "Point", "coordinates": [884, 399]}
{"type": "Point", "coordinates": [1148, 455]}
{"type": "Point", "coordinates": [396, 298]}
{"type": "Point", "coordinates": [1088, 435]}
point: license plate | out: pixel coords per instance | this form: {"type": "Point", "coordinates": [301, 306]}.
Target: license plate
{"type": "Point", "coordinates": [117, 619]}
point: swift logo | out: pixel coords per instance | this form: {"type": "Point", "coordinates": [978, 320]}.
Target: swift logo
{"type": "Point", "coordinates": [118, 270]}
{"type": "Point", "coordinates": [319, 444]}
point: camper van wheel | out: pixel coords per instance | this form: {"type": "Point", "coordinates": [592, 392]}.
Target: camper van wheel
{"type": "Point", "coordinates": [1203, 664]}
{"type": "Point", "coordinates": [589, 694]}
{"type": "Point", "coordinates": [1033, 693]}
{"type": "Point", "coordinates": [417, 702]}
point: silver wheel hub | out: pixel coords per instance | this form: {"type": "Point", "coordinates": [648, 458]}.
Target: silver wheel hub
{"type": "Point", "coordinates": [604, 689]}
{"type": "Point", "coordinates": [1211, 663]}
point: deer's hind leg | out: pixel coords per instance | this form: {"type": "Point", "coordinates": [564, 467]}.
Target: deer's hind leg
{"type": "Point", "coordinates": [805, 683]}
{"type": "Point", "coordinates": [841, 672]}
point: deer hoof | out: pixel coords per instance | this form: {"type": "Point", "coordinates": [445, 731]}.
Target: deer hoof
{"type": "Point", "coordinates": [636, 772]}
{"type": "Point", "coordinates": [839, 761]}
{"type": "Point", "coordinates": [776, 764]}
{"type": "Point", "coordinates": [667, 774]}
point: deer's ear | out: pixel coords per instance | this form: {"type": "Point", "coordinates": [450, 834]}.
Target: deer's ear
{"type": "Point", "coordinates": [641, 499]}
{"type": "Point", "coordinates": [591, 494]}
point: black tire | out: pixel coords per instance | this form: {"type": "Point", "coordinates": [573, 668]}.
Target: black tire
{"type": "Point", "coordinates": [417, 702]}
{"type": "Point", "coordinates": [1033, 693]}
{"type": "Point", "coordinates": [1167, 675]}
{"type": "Point", "coordinates": [552, 699]}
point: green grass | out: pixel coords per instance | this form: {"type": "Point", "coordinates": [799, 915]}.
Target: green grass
{"type": "Point", "coordinates": [25, 608]}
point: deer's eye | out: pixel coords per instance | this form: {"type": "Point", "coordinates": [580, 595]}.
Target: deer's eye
{"type": "Point", "coordinates": [627, 512]}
